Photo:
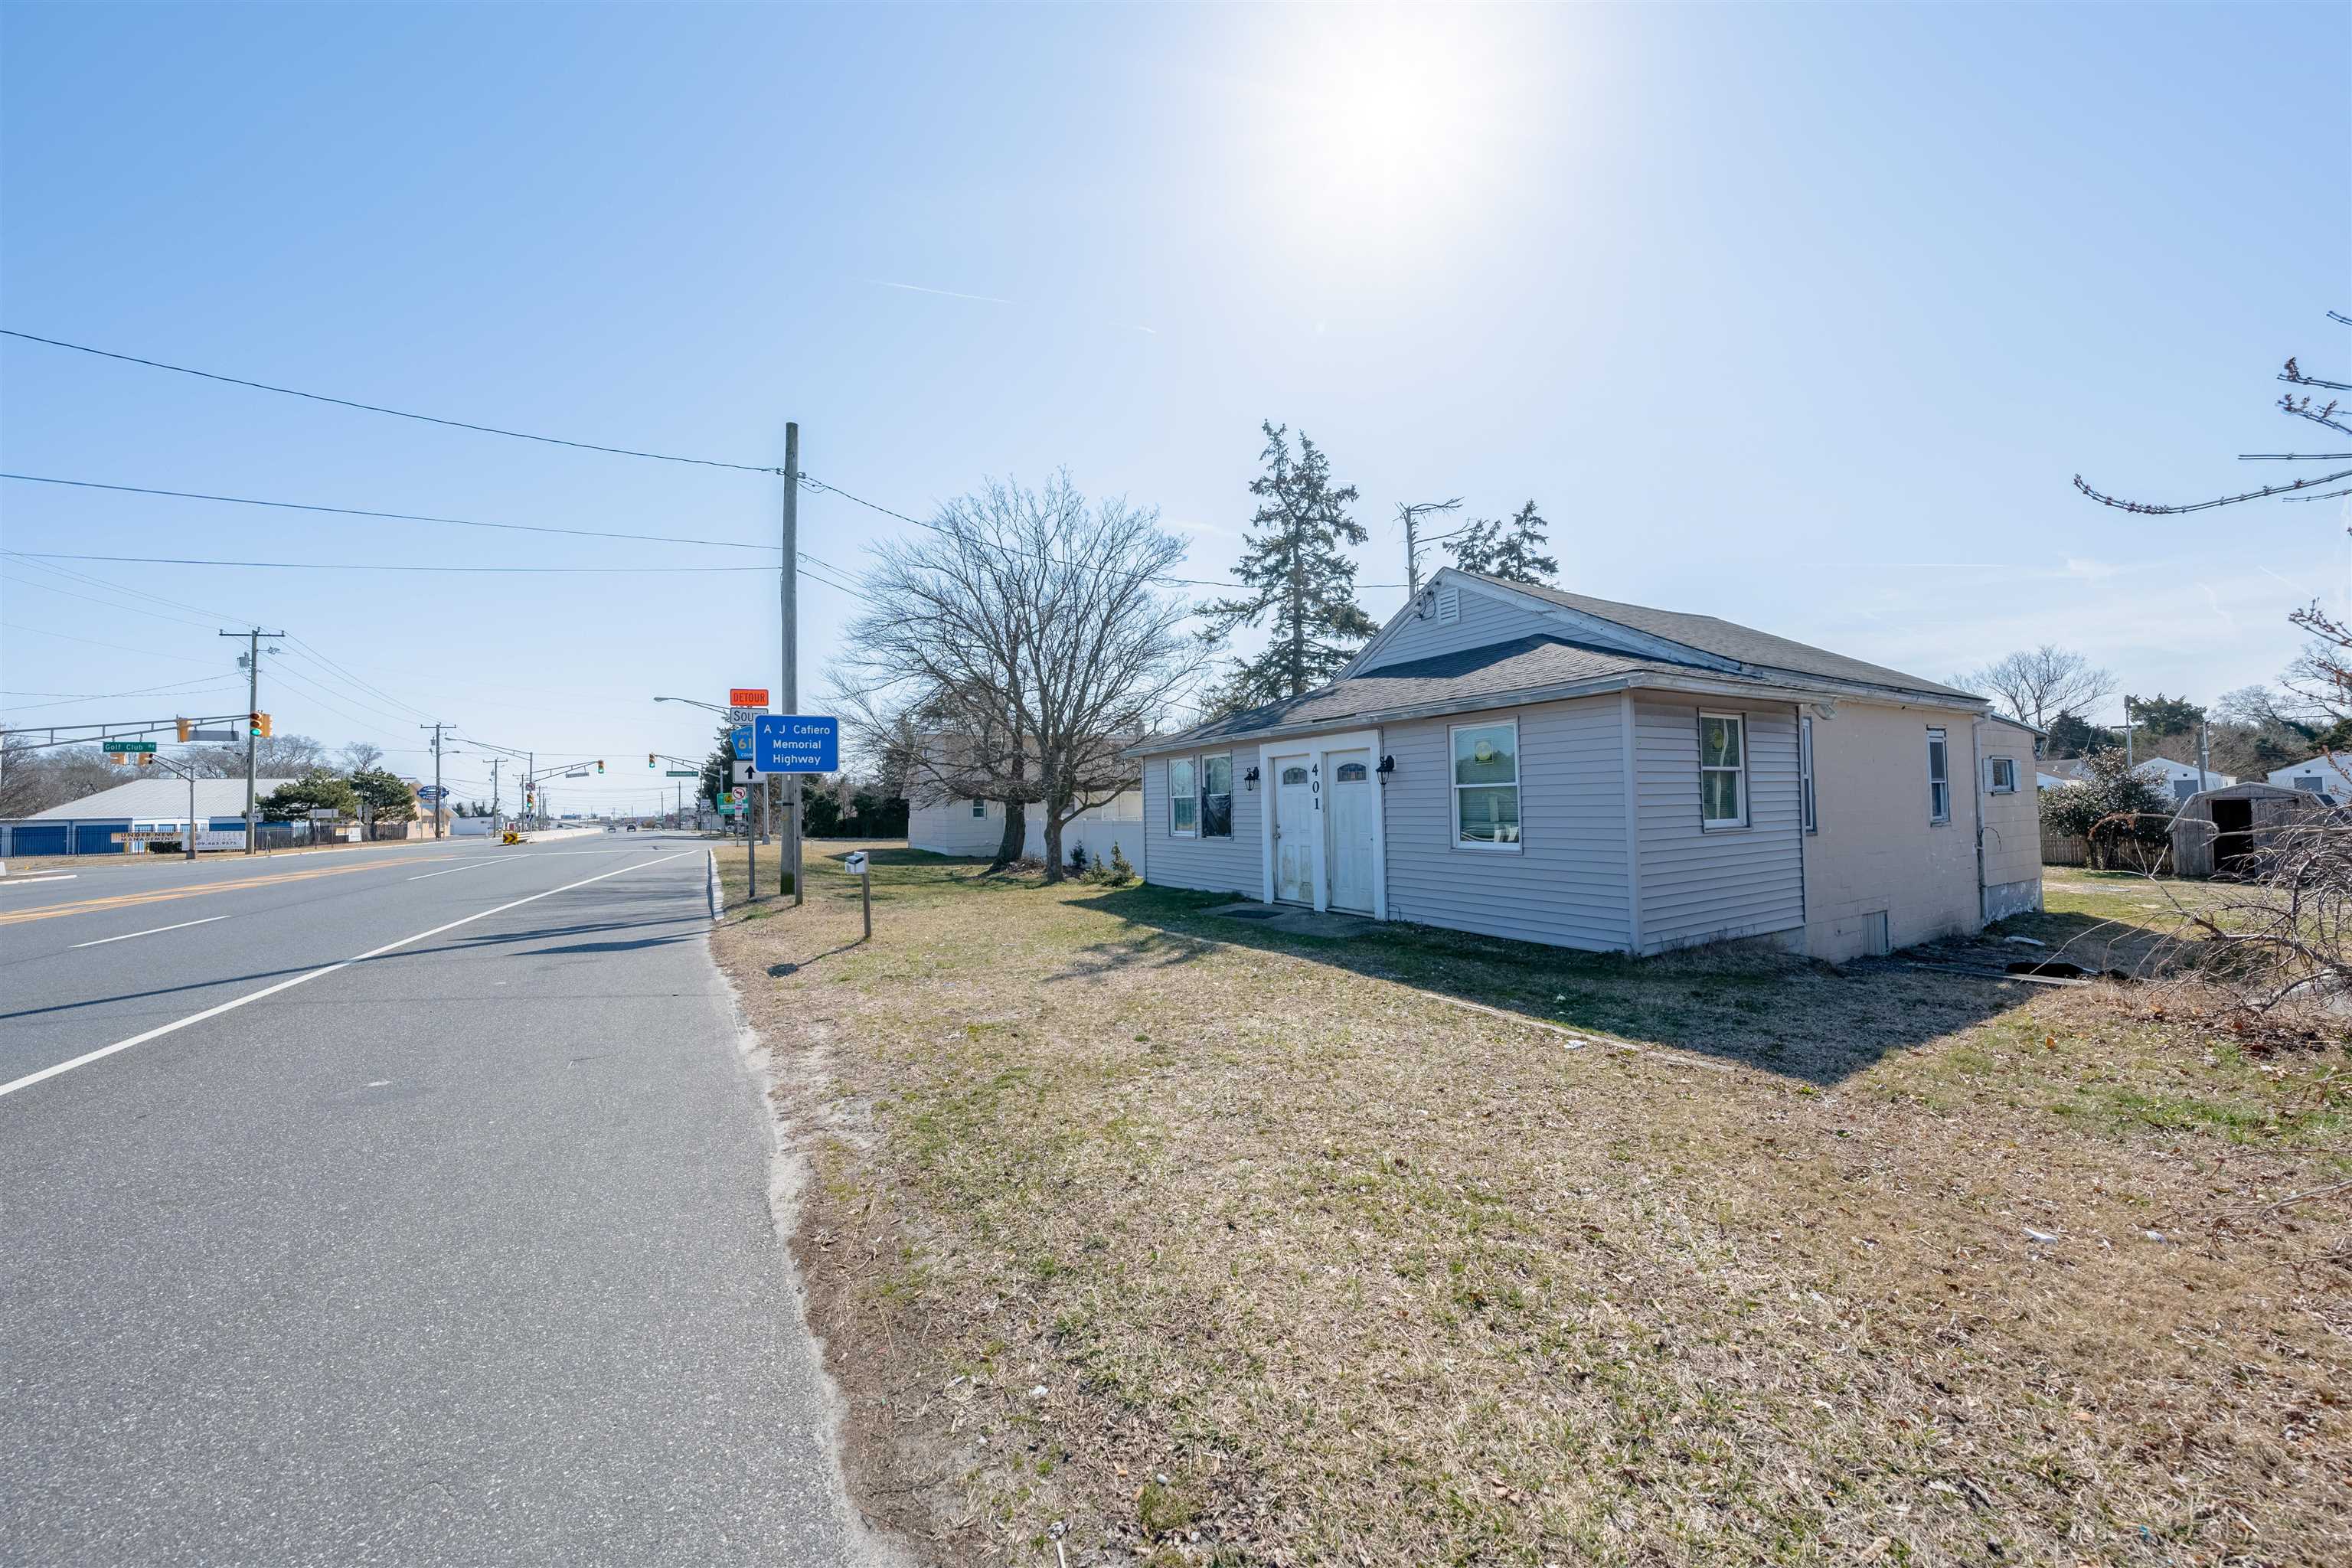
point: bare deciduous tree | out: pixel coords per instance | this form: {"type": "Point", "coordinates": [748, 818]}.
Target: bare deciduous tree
{"type": "Point", "coordinates": [2036, 685]}
{"type": "Point", "coordinates": [1021, 648]}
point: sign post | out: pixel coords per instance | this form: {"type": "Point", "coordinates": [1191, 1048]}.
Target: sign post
{"type": "Point", "coordinates": [856, 861]}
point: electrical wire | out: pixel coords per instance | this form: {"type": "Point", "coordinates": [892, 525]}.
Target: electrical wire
{"type": "Point", "coordinates": [396, 413]}
{"type": "Point", "coordinates": [819, 485]}
{"type": "Point", "coordinates": [202, 683]}
{"type": "Point", "coordinates": [370, 566]}
{"type": "Point", "coordinates": [387, 516]}
{"type": "Point", "coordinates": [118, 647]}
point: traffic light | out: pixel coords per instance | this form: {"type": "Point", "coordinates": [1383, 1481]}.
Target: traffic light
{"type": "Point", "coordinates": [253, 724]}
{"type": "Point", "coordinates": [184, 727]}
{"type": "Point", "coordinates": [265, 724]}
{"type": "Point", "coordinates": [600, 764]}
{"type": "Point", "coordinates": [649, 759]}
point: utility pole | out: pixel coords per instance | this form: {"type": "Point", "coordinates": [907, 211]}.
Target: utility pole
{"type": "Point", "coordinates": [1411, 516]}
{"type": "Point", "coordinates": [2128, 763]}
{"type": "Point", "coordinates": [494, 789]}
{"type": "Point", "coordinates": [252, 718]}
{"type": "Point", "coordinates": [2204, 783]}
{"type": "Point", "coordinates": [438, 796]}
{"type": "Point", "coordinates": [791, 589]}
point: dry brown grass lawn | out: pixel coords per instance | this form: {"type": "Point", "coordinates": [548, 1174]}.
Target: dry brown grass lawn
{"type": "Point", "coordinates": [1153, 1236]}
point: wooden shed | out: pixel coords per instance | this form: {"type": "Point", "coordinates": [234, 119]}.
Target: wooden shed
{"type": "Point", "coordinates": [2217, 832]}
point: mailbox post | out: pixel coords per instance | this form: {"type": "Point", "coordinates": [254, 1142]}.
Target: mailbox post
{"type": "Point", "coordinates": [856, 861]}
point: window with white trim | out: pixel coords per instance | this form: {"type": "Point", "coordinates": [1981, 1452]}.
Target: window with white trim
{"type": "Point", "coordinates": [980, 808]}
{"type": "Point", "coordinates": [1217, 796]}
{"type": "Point", "coordinates": [2001, 775]}
{"type": "Point", "coordinates": [1486, 785]}
{"type": "Point", "coordinates": [1722, 770]}
{"type": "Point", "coordinates": [1805, 772]}
{"type": "Point", "coordinates": [1940, 777]}
{"type": "Point", "coordinates": [1183, 805]}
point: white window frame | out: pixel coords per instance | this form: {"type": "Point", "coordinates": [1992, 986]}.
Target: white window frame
{"type": "Point", "coordinates": [1200, 775]}
{"type": "Point", "coordinates": [1190, 795]}
{"type": "Point", "coordinates": [980, 808]}
{"type": "Point", "coordinates": [1994, 767]}
{"type": "Point", "coordinates": [1935, 781]}
{"type": "Point", "coordinates": [1454, 788]}
{"type": "Point", "coordinates": [1806, 800]}
{"type": "Point", "coordinates": [1723, 824]}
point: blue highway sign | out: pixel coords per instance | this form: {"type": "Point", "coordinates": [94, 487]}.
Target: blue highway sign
{"type": "Point", "coordinates": [795, 743]}
{"type": "Point", "coordinates": [742, 738]}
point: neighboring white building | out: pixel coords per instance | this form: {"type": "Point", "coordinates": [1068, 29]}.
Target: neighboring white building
{"type": "Point", "coordinates": [2321, 775]}
{"type": "Point", "coordinates": [2178, 780]}
{"type": "Point", "coordinates": [977, 827]}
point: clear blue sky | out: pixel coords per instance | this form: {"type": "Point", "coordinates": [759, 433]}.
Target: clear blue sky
{"type": "Point", "coordinates": [1799, 316]}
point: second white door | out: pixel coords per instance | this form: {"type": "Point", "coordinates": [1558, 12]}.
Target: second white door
{"type": "Point", "coordinates": [1349, 804]}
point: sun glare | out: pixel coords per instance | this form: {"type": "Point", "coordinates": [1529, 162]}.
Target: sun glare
{"type": "Point", "coordinates": [1388, 135]}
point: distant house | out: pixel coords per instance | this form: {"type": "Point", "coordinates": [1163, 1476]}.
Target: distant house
{"type": "Point", "coordinates": [2178, 780]}
{"type": "Point", "coordinates": [1531, 763]}
{"type": "Point", "coordinates": [945, 824]}
{"type": "Point", "coordinates": [2323, 774]}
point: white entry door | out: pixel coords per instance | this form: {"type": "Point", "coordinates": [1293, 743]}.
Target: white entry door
{"type": "Point", "coordinates": [1294, 830]}
{"type": "Point", "coordinates": [1348, 815]}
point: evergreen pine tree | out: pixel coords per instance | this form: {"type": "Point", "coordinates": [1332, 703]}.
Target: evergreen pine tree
{"type": "Point", "coordinates": [1296, 572]}
{"type": "Point", "coordinates": [1508, 548]}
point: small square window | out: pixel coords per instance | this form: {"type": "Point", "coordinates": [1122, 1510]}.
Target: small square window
{"type": "Point", "coordinates": [2004, 776]}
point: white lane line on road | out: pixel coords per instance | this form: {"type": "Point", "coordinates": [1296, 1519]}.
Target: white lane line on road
{"type": "Point", "coordinates": [30, 1078]}
{"type": "Point", "coordinates": [152, 930]}
{"type": "Point", "coordinates": [455, 869]}
{"type": "Point", "coordinates": [27, 881]}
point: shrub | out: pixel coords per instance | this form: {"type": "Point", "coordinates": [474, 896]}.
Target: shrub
{"type": "Point", "coordinates": [2123, 819]}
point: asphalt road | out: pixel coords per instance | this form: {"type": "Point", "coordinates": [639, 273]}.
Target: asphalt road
{"type": "Point", "coordinates": [392, 1205]}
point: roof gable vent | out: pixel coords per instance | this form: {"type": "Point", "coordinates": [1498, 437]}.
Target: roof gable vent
{"type": "Point", "coordinates": [1449, 604]}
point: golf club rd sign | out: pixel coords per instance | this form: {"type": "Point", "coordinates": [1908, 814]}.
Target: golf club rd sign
{"type": "Point", "coordinates": [746, 697]}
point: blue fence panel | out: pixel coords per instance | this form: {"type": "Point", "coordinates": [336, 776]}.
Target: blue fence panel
{"type": "Point", "coordinates": [98, 837]}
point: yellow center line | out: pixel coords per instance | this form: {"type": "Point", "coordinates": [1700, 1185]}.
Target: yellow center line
{"type": "Point", "coordinates": [167, 895]}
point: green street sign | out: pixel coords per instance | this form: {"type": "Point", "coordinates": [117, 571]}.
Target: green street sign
{"type": "Point", "coordinates": [130, 745]}
{"type": "Point", "coordinates": [683, 774]}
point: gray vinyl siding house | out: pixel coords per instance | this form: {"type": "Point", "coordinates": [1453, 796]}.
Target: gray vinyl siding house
{"type": "Point", "coordinates": [1524, 763]}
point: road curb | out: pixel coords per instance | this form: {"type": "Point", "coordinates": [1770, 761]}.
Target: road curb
{"type": "Point", "coordinates": [712, 857]}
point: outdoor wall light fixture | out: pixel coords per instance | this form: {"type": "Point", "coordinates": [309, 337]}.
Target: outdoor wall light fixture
{"type": "Point", "coordinates": [1388, 766]}
{"type": "Point", "coordinates": [1250, 778]}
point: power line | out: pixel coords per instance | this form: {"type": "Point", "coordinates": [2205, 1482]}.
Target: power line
{"type": "Point", "coordinates": [388, 516]}
{"type": "Point", "coordinates": [176, 686]}
{"type": "Point", "coordinates": [360, 565]}
{"type": "Point", "coordinates": [820, 485]}
{"type": "Point", "coordinates": [396, 413]}
{"type": "Point", "coordinates": [118, 647]}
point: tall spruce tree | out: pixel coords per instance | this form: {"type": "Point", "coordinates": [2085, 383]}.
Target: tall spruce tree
{"type": "Point", "coordinates": [1510, 548]}
{"type": "Point", "coordinates": [1296, 572]}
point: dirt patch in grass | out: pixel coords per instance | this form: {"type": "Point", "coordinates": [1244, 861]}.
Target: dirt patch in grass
{"type": "Point", "coordinates": [1140, 1235]}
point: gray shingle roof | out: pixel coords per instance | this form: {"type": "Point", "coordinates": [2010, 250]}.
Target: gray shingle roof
{"type": "Point", "coordinates": [1728, 639]}
{"type": "Point", "coordinates": [1498, 669]}
{"type": "Point", "coordinates": [162, 797]}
